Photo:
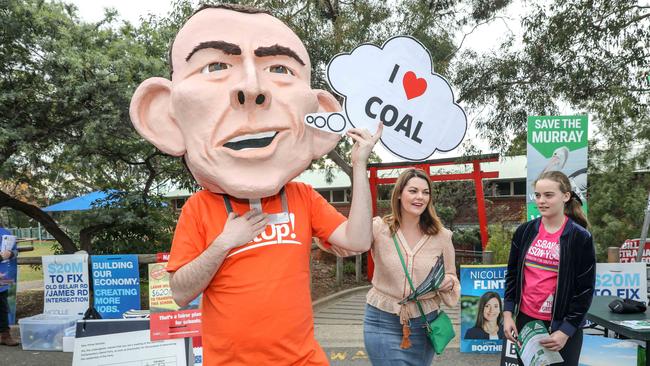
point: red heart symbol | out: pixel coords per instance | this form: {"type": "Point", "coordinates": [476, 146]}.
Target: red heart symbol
{"type": "Point", "coordinates": [413, 86]}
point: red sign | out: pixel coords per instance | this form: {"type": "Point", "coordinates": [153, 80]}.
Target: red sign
{"type": "Point", "coordinates": [162, 257]}
{"type": "Point", "coordinates": [629, 250]}
{"type": "Point", "coordinates": [175, 324]}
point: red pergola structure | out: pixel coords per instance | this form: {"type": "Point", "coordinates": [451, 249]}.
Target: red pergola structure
{"type": "Point", "coordinates": [477, 175]}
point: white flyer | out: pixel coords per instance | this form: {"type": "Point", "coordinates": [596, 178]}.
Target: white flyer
{"type": "Point", "coordinates": [531, 352]}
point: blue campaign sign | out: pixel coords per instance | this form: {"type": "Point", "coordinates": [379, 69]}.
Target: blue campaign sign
{"type": "Point", "coordinates": [116, 282]}
{"type": "Point", "coordinates": [481, 297]}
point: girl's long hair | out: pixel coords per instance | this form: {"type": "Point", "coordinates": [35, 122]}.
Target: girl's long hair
{"type": "Point", "coordinates": [430, 223]}
{"type": "Point", "coordinates": [573, 207]}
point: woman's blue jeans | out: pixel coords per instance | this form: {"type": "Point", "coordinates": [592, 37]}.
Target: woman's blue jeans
{"type": "Point", "coordinates": [382, 335]}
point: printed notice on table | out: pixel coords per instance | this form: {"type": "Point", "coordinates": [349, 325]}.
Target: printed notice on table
{"type": "Point", "coordinates": [125, 348]}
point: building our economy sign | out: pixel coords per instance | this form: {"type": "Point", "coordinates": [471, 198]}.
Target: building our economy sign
{"type": "Point", "coordinates": [116, 284]}
{"type": "Point", "coordinates": [481, 307]}
{"type": "Point", "coordinates": [557, 143]}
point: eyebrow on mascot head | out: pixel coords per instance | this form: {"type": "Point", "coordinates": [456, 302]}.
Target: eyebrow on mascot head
{"type": "Point", "coordinates": [233, 7]}
{"type": "Point", "coordinates": [277, 50]}
{"type": "Point", "coordinates": [227, 48]}
{"type": "Point", "coordinates": [233, 49]}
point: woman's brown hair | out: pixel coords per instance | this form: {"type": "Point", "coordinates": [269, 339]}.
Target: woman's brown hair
{"type": "Point", "coordinates": [429, 221]}
{"type": "Point", "coordinates": [480, 319]}
{"type": "Point", "coordinates": [572, 207]}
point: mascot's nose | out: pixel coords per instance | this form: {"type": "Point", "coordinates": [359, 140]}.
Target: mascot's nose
{"type": "Point", "coordinates": [241, 98]}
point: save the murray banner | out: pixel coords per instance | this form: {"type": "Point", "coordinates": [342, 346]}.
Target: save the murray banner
{"type": "Point", "coordinates": [557, 143]}
{"type": "Point", "coordinates": [481, 308]}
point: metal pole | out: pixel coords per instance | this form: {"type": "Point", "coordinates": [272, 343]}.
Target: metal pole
{"type": "Point", "coordinates": [357, 268]}
{"type": "Point", "coordinates": [339, 270]}
{"type": "Point", "coordinates": [644, 231]}
{"type": "Point", "coordinates": [480, 203]}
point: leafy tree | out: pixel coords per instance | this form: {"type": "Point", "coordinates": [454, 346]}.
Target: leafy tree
{"type": "Point", "coordinates": [590, 56]}
{"type": "Point", "coordinates": [66, 86]}
{"type": "Point", "coordinates": [499, 243]}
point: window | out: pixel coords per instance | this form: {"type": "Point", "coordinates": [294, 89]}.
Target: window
{"type": "Point", "coordinates": [502, 189]}
{"type": "Point", "coordinates": [384, 192]}
{"type": "Point", "coordinates": [338, 195]}
{"type": "Point", "coordinates": [506, 188]}
{"type": "Point", "coordinates": [325, 193]}
{"type": "Point", "coordinates": [519, 188]}
{"type": "Point", "coordinates": [179, 202]}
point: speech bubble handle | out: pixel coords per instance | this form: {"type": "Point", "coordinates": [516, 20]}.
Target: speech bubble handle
{"type": "Point", "coordinates": [328, 122]}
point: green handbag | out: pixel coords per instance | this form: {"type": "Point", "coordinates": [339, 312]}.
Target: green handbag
{"type": "Point", "coordinates": [440, 331]}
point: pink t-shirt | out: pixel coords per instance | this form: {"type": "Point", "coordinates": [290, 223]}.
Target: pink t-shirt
{"type": "Point", "coordinates": [540, 274]}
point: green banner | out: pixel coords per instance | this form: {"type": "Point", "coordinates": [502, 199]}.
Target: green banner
{"type": "Point", "coordinates": [557, 143]}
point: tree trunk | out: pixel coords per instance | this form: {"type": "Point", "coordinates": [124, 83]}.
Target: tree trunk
{"type": "Point", "coordinates": [345, 167]}
{"type": "Point", "coordinates": [86, 236]}
{"type": "Point", "coordinates": [41, 216]}
{"type": "Point", "coordinates": [338, 160]}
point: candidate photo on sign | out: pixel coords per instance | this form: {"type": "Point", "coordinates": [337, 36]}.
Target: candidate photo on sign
{"type": "Point", "coordinates": [489, 318]}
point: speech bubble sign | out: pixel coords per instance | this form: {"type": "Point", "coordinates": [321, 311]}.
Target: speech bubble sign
{"type": "Point", "coordinates": [394, 84]}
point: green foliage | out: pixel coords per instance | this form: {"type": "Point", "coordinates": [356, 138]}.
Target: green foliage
{"type": "Point", "coordinates": [467, 239]}
{"type": "Point", "coordinates": [618, 200]}
{"type": "Point", "coordinates": [127, 225]}
{"type": "Point", "coordinates": [499, 242]}
{"type": "Point", "coordinates": [447, 196]}
{"type": "Point", "coordinates": [64, 123]}
{"type": "Point", "coordinates": [349, 267]}
{"type": "Point", "coordinates": [590, 55]}
{"type": "Point", "coordinates": [446, 215]}
{"type": "Point", "coordinates": [582, 57]}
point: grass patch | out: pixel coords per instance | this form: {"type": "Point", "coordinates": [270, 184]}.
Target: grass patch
{"type": "Point", "coordinates": [33, 273]}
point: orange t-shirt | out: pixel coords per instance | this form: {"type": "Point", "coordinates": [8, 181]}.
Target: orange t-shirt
{"type": "Point", "coordinates": [257, 308]}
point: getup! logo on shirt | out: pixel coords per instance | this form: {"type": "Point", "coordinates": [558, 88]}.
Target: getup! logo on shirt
{"type": "Point", "coordinates": [274, 234]}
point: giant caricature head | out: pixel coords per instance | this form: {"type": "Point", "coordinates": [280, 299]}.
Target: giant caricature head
{"type": "Point", "coordinates": [234, 107]}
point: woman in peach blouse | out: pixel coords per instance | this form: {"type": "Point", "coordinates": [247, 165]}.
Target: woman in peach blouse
{"type": "Point", "coordinates": [394, 334]}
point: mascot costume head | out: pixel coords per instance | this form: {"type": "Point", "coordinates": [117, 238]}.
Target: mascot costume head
{"type": "Point", "coordinates": [234, 107]}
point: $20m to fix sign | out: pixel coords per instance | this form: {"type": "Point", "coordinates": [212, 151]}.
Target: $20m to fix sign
{"type": "Point", "coordinates": [626, 280]}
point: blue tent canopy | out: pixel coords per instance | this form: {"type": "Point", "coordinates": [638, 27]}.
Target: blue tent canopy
{"type": "Point", "coordinates": [80, 203]}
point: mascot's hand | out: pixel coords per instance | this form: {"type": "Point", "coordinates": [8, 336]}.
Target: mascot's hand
{"type": "Point", "coordinates": [363, 143]}
{"type": "Point", "coordinates": [240, 230]}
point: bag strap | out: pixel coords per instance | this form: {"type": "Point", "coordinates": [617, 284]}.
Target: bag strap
{"type": "Point", "coordinates": [406, 272]}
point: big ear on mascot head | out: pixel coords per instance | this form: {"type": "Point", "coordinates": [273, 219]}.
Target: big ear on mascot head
{"type": "Point", "coordinates": [151, 116]}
